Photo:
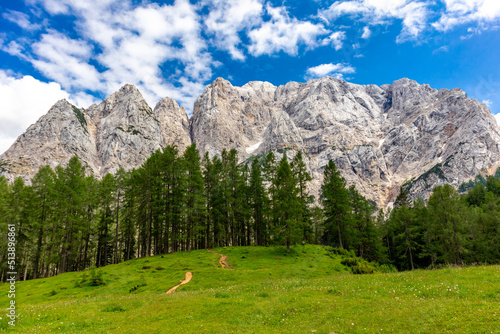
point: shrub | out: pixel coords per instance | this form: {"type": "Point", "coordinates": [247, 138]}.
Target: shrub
{"type": "Point", "coordinates": [340, 251]}
{"type": "Point", "coordinates": [135, 287]}
{"type": "Point", "coordinates": [113, 308]}
{"type": "Point", "coordinates": [94, 279]}
{"type": "Point", "coordinates": [350, 261]}
{"type": "Point", "coordinates": [359, 266]}
{"type": "Point", "coordinates": [387, 268]}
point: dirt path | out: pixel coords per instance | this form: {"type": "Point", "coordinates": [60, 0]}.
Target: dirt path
{"type": "Point", "coordinates": [223, 260]}
{"type": "Point", "coordinates": [188, 277]}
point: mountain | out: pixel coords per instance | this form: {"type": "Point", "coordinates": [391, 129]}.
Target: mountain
{"type": "Point", "coordinates": [121, 131]}
{"type": "Point", "coordinates": [380, 137]}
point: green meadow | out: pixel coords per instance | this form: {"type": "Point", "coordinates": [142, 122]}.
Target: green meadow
{"type": "Point", "coordinates": [308, 290]}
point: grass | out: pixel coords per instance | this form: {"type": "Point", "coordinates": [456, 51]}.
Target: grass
{"type": "Point", "coordinates": [270, 291]}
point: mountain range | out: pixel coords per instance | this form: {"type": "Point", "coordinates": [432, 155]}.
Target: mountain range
{"type": "Point", "coordinates": [380, 137]}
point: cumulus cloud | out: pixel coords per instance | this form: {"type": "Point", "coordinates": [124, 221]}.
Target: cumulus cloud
{"type": "Point", "coordinates": [488, 103]}
{"type": "Point", "coordinates": [413, 14]}
{"type": "Point", "coordinates": [497, 116]}
{"type": "Point", "coordinates": [336, 40]}
{"type": "Point", "coordinates": [283, 33]}
{"type": "Point", "coordinates": [21, 19]}
{"type": "Point", "coordinates": [167, 49]}
{"type": "Point", "coordinates": [227, 18]}
{"type": "Point", "coordinates": [66, 61]}
{"type": "Point", "coordinates": [121, 43]}
{"type": "Point", "coordinates": [366, 32]}
{"type": "Point", "coordinates": [459, 12]}
{"type": "Point", "coordinates": [22, 101]}
{"type": "Point", "coordinates": [333, 70]}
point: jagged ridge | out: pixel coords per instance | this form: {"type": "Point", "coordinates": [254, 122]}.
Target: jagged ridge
{"type": "Point", "coordinates": [380, 137]}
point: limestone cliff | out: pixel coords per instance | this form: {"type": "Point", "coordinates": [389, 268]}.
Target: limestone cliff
{"type": "Point", "coordinates": [380, 137]}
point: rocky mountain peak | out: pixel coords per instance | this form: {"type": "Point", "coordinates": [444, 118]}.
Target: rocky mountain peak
{"type": "Point", "coordinates": [381, 138]}
{"type": "Point", "coordinates": [174, 123]}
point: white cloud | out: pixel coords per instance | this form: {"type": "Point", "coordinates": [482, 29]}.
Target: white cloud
{"type": "Point", "coordinates": [227, 18]}
{"type": "Point", "coordinates": [119, 43]}
{"type": "Point", "coordinates": [21, 19]}
{"type": "Point", "coordinates": [283, 33]}
{"type": "Point", "coordinates": [334, 70]}
{"type": "Point", "coordinates": [166, 50]}
{"type": "Point", "coordinates": [22, 102]}
{"type": "Point", "coordinates": [413, 14]}
{"type": "Point", "coordinates": [497, 116]}
{"type": "Point", "coordinates": [459, 12]}
{"type": "Point", "coordinates": [336, 39]}
{"type": "Point", "coordinates": [488, 103]}
{"type": "Point", "coordinates": [444, 48]}
{"type": "Point", "coordinates": [66, 60]}
{"type": "Point", "coordinates": [366, 32]}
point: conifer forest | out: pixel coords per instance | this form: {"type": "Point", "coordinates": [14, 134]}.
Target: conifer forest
{"type": "Point", "coordinates": [70, 221]}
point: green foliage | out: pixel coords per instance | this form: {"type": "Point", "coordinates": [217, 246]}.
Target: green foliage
{"type": "Point", "coordinates": [67, 221]}
{"type": "Point", "coordinates": [94, 278]}
{"type": "Point", "coordinates": [466, 186]}
{"type": "Point", "coordinates": [335, 200]}
{"type": "Point", "coordinates": [113, 308]}
{"type": "Point", "coordinates": [436, 170]}
{"type": "Point", "coordinates": [80, 117]}
{"type": "Point", "coordinates": [136, 287]}
{"type": "Point", "coordinates": [340, 251]}
{"type": "Point", "coordinates": [359, 266]}
{"type": "Point", "coordinates": [260, 293]}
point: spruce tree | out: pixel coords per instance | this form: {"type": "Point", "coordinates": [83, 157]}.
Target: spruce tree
{"type": "Point", "coordinates": [258, 200]}
{"type": "Point", "coordinates": [448, 213]}
{"type": "Point", "coordinates": [302, 176]}
{"type": "Point", "coordinates": [287, 204]}
{"type": "Point", "coordinates": [42, 205]}
{"type": "Point", "coordinates": [70, 190]}
{"type": "Point", "coordinates": [194, 199]}
{"type": "Point", "coordinates": [335, 200]}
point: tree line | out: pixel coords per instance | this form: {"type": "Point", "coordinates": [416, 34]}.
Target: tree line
{"type": "Point", "coordinates": [68, 221]}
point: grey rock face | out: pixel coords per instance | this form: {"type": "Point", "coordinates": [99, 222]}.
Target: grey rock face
{"type": "Point", "coordinates": [380, 137]}
{"type": "Point", "coordinates": [120, 132]}
{"type": "Point", "coordinates": [52, 140]}
{"type": "Point", "coordinates": [174, 123]}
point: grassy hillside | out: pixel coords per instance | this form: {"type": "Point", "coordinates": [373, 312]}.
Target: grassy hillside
{"type": "Point", "coordinates": [269, 291]}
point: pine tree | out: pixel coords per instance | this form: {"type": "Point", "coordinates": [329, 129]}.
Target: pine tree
{"type": "Point", "coordinates": [70, 189]}
{"type": "Point", "coordinates": [128, 230]}
{"type": "Point", "coordinates": [428, 252]}
{"type": "Point", "coordinates": [4, 221]}
{"type": "Point", "coordinates": [194, 199]}
{"type": "Point", "coordinates": [42, 205]}
{"type": "Point", "coordinates": [107, 188]}
{"type": "Point", "coordinates": [335, 200]}
{"type": "Point", "coordinates": [364, 237]}
{"type": "Point", "coordinates": [287, 204]}
{"type": "Point", "coordinates": [302, 176]}
{"type": "Point", "coordinates": [121, 178]}
{"type": "Point", "coordinates": [258, 198]}
{"type": "Point", "coordinates": [19, 214]}
{"type": "Point", "coordinates": [405, 235]}
{"type": "Point", "coordinates": [269, 168]}
{"type": "Point", "coordinates": [447, 210]}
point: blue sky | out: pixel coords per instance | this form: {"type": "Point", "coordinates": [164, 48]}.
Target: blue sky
{"type": "Point", "coordinates": [86, 50]}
